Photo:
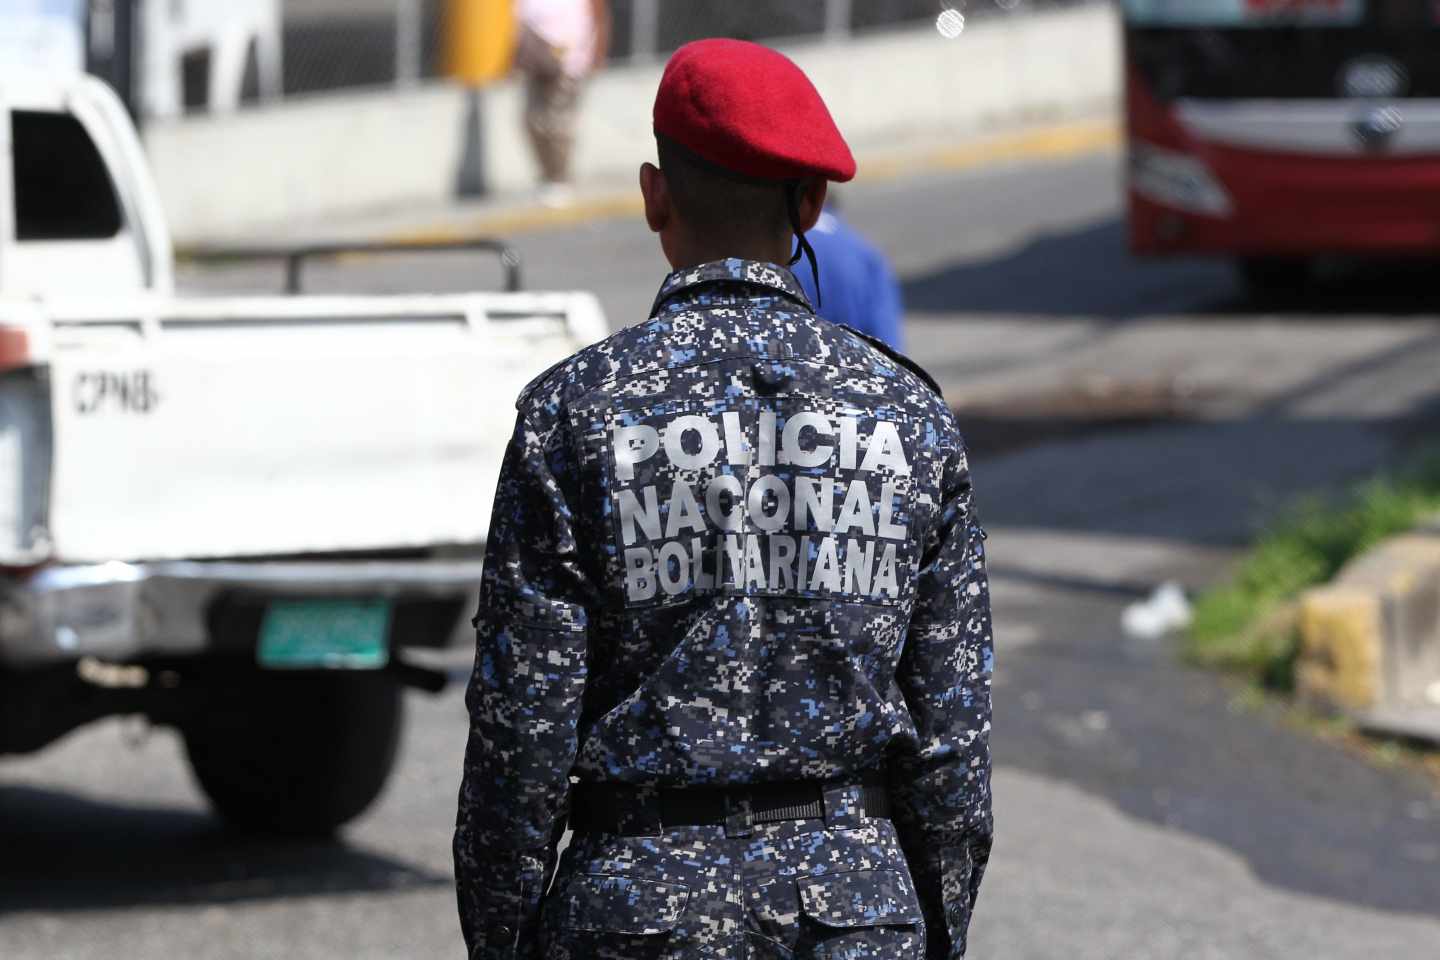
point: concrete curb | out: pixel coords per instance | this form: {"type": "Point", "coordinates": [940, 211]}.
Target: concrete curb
{"type": "Point", "coordinates": [1370, 639]}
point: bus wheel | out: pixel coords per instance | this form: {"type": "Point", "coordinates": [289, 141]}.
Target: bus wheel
{"type": "Point", "coordinates": [1266, 278]}
{"type": "Point", "coordinates": [303, 755]}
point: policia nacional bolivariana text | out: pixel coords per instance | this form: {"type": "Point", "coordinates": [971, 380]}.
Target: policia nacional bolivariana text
{"type": "Point", "coordinates": [673, 543]}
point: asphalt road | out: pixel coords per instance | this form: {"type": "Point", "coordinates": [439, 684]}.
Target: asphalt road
{"type": "Point", "coordinates": [1142, 811]}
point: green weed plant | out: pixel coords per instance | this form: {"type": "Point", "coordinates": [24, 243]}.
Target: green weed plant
{"type": "Point", "coordinates": [1248, 624]}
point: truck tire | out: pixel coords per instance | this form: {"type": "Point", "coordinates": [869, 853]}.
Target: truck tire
{"type": "Point", "coordinates": [297, 754]}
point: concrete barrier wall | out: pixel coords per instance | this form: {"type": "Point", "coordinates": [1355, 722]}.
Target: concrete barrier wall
{"type": "Point", "coordinates": [1371, 637]}
{"type": "Point", "coordinates": [366, 152]}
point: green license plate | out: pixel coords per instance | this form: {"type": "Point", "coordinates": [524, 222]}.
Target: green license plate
{"type": "Point", "coordinates": [333, 634]}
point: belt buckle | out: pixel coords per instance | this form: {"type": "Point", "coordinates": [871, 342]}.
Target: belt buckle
{"type": "Point", "coordinates": [739, 814]}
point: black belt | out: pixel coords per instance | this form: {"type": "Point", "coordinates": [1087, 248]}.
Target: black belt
{"type": "Point", "coordinates": [610, 807]}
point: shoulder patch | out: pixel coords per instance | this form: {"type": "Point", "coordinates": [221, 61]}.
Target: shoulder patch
{"type": "Point", "coordinates": [898, 357]}
{"type": "Point", "coordinates": [539, 381]}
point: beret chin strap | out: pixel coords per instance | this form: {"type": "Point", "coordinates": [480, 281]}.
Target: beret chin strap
{"type": "Point", "coordinates": [792, 201]}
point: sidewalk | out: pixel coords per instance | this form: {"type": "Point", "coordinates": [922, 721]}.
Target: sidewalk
{"type": "Point", "coordinates": [350, 152]}
{"type": "Point", "coordinates": [515, 213]}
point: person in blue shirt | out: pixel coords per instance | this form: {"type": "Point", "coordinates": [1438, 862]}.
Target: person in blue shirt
{"type": "Point", "coordinates": [857, 285]}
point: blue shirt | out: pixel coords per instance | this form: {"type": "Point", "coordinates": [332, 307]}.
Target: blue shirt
{"type": "Point", "coordinates": [857, 285]}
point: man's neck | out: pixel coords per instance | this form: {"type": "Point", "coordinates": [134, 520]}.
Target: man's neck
{"type": "Point", "coordinates": [760, 251]}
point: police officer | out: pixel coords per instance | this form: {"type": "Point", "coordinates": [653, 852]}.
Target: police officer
{"type": "Point", "coordinates": [734, 627]}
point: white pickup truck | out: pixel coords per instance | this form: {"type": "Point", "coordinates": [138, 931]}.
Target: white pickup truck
{"type": "Point", "coordinates": [231, 515]}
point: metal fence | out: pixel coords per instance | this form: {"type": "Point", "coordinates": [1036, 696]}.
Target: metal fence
{"type": "Point", "coordinates": [338, 44]}
{"type": "Point", "coordinates": [647, 29]}
{"type": "Point", "coordinates": [298, 47]}
{"type": "Point", "coordinates": [334, 44]}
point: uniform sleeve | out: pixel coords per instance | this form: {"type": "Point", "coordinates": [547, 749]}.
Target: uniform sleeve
{"type": "Point", "coordinates": [941, 786]}
{"type": "Point", "coordinates": [523, 698]}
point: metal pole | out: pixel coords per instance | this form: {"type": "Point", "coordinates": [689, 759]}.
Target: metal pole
{"type": "Point", "coordinates": [407, 41]}
{"type": "Point", "coordinates": [123, 66]}
{"type": "Point", "coordinates": [293, 265]}
{"type": "Point", "coordinates": [644, 30]}
{"type": "Point", "coordinates": [100, 34]}
{"type": "Point", "coordinates": [837, 19]}
{"type": "Point", "coordinates": [471, 177]}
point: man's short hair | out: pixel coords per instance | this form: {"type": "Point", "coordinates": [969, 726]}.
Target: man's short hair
{"type": "Point", "coordinates": [714, 200]}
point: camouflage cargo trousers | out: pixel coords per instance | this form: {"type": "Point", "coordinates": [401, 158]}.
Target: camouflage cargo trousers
{"type": "Point", "coordinates": [833, 889]}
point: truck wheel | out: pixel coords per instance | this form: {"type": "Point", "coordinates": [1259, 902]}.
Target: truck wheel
{"type": "Point", "coordinates": [297, 754]}
{"type": "Point", "coordinates": [1267, 278]}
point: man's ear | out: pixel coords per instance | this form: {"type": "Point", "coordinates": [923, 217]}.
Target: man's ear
{"type": "Point", "coordinates": [656, 193]}
{"type": "Point", "coordinates": [811, 201]}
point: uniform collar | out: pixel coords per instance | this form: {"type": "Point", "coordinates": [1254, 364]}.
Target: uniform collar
{"type": "Point", "coordinates": [679, 287]}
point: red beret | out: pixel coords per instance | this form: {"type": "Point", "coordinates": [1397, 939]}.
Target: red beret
{"type": "Point", "coordinates": [750, 110]}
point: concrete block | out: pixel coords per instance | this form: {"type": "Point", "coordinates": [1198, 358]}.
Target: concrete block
{"type": "Point", "coordinates": [1417, 724]}
{"type": "Point", "coordinates": [1371, 638]}
{"type": "Point", "coordinates": [1340, 650]}
{"type": "Point", "coordinates": [307, 159]}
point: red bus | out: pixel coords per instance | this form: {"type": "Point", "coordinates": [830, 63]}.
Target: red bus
{"type": "Point", "coordinates": [1274, 131]}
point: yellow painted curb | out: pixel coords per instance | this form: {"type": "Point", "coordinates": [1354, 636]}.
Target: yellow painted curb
{"type": "Point", "coordinates": [1049, 143]}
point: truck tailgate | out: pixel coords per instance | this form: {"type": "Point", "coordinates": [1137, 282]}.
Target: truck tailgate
{"type": "Point", "coordinates": [294, 425]}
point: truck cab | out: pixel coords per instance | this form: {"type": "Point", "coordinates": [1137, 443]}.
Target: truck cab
{"type": "Point", "coordinates": [76, 191]}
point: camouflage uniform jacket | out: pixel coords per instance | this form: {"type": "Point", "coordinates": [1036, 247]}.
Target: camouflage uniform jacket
{"type": "Point", "coordinates": [733, 544]}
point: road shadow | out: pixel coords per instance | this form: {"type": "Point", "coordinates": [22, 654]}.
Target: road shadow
{"type": "Point", "coordinates": [63, 852]}
{"type": "Point", "coordinates": [1088, 271]}
{"type": "Point", "coordinates": [1232, 477]}
{"type": "Point", "coordinates": [1119, 458]}
{"type": "Point", "coordinates": [1344, 289]}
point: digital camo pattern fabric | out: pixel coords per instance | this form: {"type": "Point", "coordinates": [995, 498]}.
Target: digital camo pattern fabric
{"type": "Point", "coordinates": [733, 544]}
{"type": "Point", "coordinates": [791, 890]}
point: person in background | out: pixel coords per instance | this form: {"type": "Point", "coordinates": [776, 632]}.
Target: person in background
{"type": "Point", "coordinates": [561, 42]}
{"type": "Point", "coordinates": [858, 287]}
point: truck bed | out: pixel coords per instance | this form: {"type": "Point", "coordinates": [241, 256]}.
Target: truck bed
{"type": "Point", "coordinates": [170, 428]}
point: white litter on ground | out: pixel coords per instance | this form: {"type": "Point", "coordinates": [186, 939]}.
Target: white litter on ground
{"type": "Point", "coordinates": [1165, 610]}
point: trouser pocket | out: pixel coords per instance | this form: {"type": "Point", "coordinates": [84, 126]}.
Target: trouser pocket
{"type": "Point", "coordinates": [855, 915]}
{"type": "Point", "coordinates": [608, 917]}
{"type": "Point", "coordinates": [862, 914]}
